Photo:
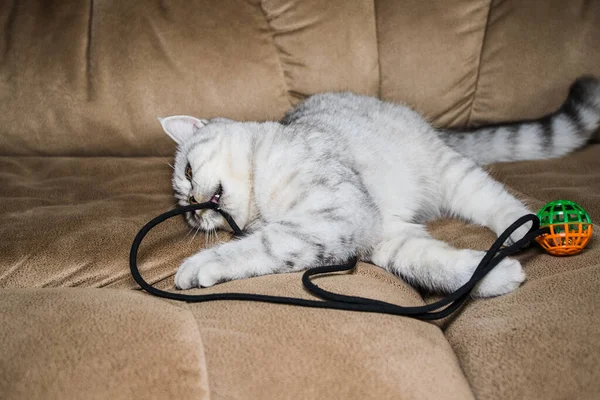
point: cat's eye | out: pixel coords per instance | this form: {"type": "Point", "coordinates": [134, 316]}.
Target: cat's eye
{"type": "Point", "coordinates": [188, 172]}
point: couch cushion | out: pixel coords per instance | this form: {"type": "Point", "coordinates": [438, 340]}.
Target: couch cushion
{"type": "Point", "coordinates": [98, 344]}
{"type": "Point", "coordinates": [530, 54]}
{"type": "Point", "coordinates": [325, 45]}
{"type": "Point", "coordinates": [95, 85]}
{"type": "Point", "coordinates": [429, 54]}
{"type": "Point", "coordinates": [477, 61]}
{"type": "Point", "coordinates": [75, 342]}
{"type": "Point", "coordinates": [90, 78]}
{"type": "Point", "coordinates": [56, 213]}
{"type": "Point", "coordinates": [265, 351]}
{"type": "Point", "coordinates": [71, 221]}
{"type": "Point", "coordinates": [542, 341]}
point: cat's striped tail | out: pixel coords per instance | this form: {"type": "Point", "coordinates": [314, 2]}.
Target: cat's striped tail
{"type": "Point", "coordinates": [554, 135]}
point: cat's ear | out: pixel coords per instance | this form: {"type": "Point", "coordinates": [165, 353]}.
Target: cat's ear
{"type": "Point", "coordinates": [181, 127]}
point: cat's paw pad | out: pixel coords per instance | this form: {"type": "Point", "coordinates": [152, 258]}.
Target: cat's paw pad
{"type": "Point", "coordinates": [196, 272]}
{"type": "Point", "coordinates": [504, 278]}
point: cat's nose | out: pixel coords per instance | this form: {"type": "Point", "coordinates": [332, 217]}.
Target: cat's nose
{"type": "Point", "coordinates": [192, 200]}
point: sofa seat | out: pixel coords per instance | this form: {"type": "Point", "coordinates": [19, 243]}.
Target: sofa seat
{"type": "Point", "coordinates": [492, 346]}
{"type": "Point", "coordinates": [102, 203]}
{"type": "Point", "coordinates": [542, 341]}
{"type": "Point", "coordinates": [83, 165]}
{"type": "Point", "coordinates": [73, 343]}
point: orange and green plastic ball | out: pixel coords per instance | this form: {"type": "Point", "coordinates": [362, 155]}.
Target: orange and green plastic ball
{"type": "Point", "coordinates": [570, 227]}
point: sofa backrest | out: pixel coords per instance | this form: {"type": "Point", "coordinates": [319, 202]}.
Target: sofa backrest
{"type": "Point", "coordinates": [90, 78]}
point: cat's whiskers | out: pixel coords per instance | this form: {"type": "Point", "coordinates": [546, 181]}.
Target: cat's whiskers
{"type": "Point", "coordinates": [195, 233]}
{"type": "Point", "coordinates": [188, 234]}
{"type": "Point", "coordinates": [168, 163]}
{"type": "Point", "coordinates": [190, 231]}
{"type": "Point", "coordinates": [172, 207]}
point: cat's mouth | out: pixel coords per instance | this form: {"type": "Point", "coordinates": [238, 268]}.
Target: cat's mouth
{"type": "Point", "coordinates": [216, 198]}
{"type": "Point", "coordinates": [206, 219]}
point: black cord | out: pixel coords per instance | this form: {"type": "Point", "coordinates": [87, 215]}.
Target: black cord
{"type": "Point", "coordinates": [436, 310]}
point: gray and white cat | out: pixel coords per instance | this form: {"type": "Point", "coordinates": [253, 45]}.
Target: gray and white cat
{"type": "Point", "coordinates": [344, 175]}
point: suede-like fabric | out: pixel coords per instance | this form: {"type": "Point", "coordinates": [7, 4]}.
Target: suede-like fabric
{"type": "Point", "coordinates": [109, 80]}
{"type": "Point", "coordinates": [256, 350]}
{"type": "Point", "coordinates": [429, 55]}
{"type": "Point", "coordinates": [469, 62]}
{"type": "Point", "coordinates": [531, 53]}
{"type": "Point", "coordinates": [542, 341]}
{"type": "Point", "coordinates": [91, 77]}
{"type": "Point", "coordinates": [87, 210]}
{"type": "Point", "coordinates": [263, 351]}
{"type": "Point", "coordinates": [84, 164]}
{"type": "Point", "coordinates": [71, 221]}
{"type": "Point", "coordinates": [325, 45]}
{"type": "Point", "coordinates": [98, 344]}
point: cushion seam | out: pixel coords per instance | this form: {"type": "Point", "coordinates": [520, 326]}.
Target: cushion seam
{"type": "Point", "coordinates": [278, 52]}
{"type": "Point", "coordinates": [479, 62]}
{"type": "Point", "coordinates": [378, 46]}
{"type": "Point", "coordinates": [203, 366]}
{"type": "Point", "coordinates": [88, 54]}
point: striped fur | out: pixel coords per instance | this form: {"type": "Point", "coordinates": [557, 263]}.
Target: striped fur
{"type": "Point", "coordinates": [554, 135]}
{"type": "Point", "coordinates": [344, 175]}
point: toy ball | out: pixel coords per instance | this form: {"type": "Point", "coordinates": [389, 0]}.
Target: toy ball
{"type": "Point", "coordinates": [570, 228]}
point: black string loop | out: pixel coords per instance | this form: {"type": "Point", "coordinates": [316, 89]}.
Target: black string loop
{"type": "Point", "coordinates": [336, 301]}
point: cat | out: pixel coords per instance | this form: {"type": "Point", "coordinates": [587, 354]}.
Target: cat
{"type": "Point", "coordinates": [345, 175]}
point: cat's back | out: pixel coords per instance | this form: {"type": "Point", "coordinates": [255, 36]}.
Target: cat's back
{"type": "Point", "coordinates": [365, 124]}
{"type": "Point", "coordinates": [391, 146]}
{"type": "Point", "coordinates": [331, 104]}
{"type": "Point", "coordinates": [357, 115]}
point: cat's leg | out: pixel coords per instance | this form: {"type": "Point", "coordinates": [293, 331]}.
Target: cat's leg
{"type": "Point", "coordinates": [470, 193]}
{"type": "Point", "coordinates": [411, 253]}
{"type": "Point", "coordinates": [280, 247]}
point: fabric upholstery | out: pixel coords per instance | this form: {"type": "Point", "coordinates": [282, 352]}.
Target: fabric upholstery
{"type": "Point", "coordinates": [98, 344]}
{"type": "Point", "coordinates": [527, 45]}
{"type": "Point", "coordinates": [97, 83]}
{"type": "Point", "coordinates": [465, 62]}
{"type": "Point", "coordinates": [135, 189]}
{"type": "Point", "coordinates": [98, 225]}
{"type": "Point", "coordinates": [325, 45]}
{"type": "Point", "coordinates": [71, 221]}
{"type": "Point", "coordinates": [543, 340]}
{"type": "Point", "coordinates": [433, 64]}
{"type": "Point", "coordinates": [84, 164]}
{"type": "Point", "coordinates": [269, 351]}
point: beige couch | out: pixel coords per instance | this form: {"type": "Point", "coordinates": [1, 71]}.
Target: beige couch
{"type": "Point", "coordinates": [83, 165]}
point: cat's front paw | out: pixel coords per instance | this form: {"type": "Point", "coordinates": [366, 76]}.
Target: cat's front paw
{"type": "Point", "coordinates": [200, 270]}
{"type": "Point", "coordinates": [504, 278]}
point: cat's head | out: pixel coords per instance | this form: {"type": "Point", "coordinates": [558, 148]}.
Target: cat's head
{"type": "Point", "coordinates": [212, 163]}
